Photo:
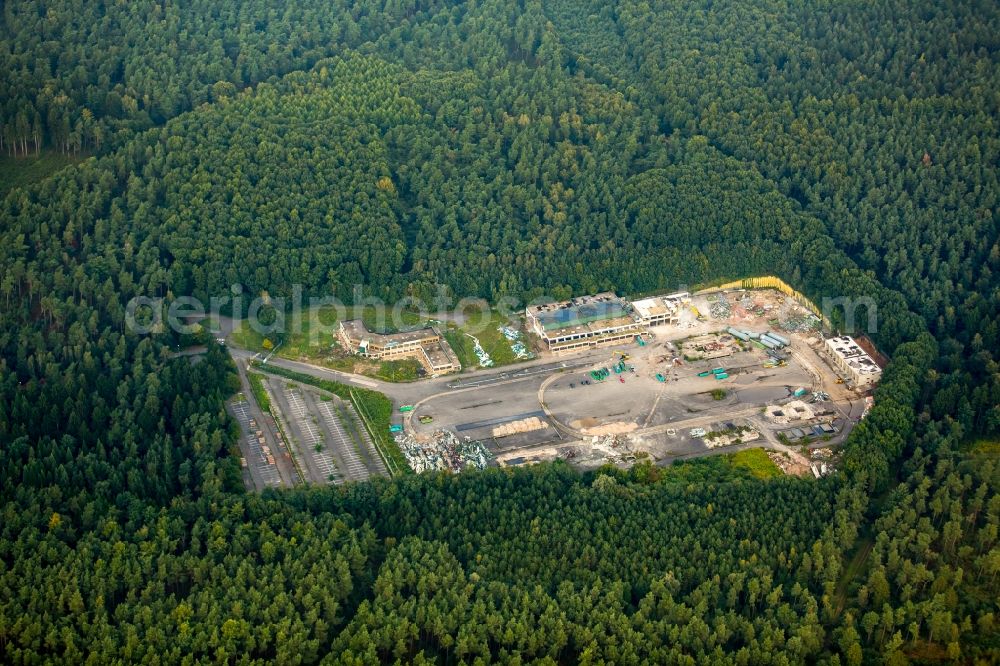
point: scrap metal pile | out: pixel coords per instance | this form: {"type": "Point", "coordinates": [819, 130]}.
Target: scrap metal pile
{"type": "Point", "coordinates": [442, 450]}
{"type": "Point", "coordinates": [751, 308]}
{"type": "Point", "coordinates": [801, 324]}
{"type": "Point", "coordinates": [721, 308]}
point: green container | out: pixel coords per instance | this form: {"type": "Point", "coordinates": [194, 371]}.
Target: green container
{"type": "Point", "coordinates": [704, 374]}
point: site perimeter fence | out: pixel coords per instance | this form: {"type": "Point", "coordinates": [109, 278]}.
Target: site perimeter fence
{"type": "Point", "coordinates": [773, 282]}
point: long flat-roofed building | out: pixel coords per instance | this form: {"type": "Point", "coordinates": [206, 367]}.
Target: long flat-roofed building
{"type": "Point", "coordinates": [853, 361]}
{"type": "Point", "coordinates": [427, 345]}
{"type": "Point", "coordinates": [586, 321]}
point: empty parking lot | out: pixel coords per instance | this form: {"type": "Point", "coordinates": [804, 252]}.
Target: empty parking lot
{"type": "Point", "coordinates": [263, 473]}
{"type": "Point", "coordinates": [330, 443]}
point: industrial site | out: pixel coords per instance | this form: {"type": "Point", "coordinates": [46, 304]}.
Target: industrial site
{"type": "Point", "coordinates": [611, 381]}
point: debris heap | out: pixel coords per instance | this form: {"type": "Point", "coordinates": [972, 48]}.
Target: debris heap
{"type": "Point", "coordinates": [484, 359]}
{"type": "Point", "coordinates": [516, 343]}
{"type": "Point", "coordinates": [442, 450]}
{"type": "Point", "coordinates": [721, 308]}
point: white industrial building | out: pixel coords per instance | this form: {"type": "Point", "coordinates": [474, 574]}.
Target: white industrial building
{"type": "Point", "coordinates": [659, 310]}
{"type": "Point", "coordinates": [853, 361]}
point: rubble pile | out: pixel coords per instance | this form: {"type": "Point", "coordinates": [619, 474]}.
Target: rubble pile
{"type": "Point", "coordinates": [721, 308]}
{"type": "Point", "coordinates": [869, 403]}
{"type": "Point", "coordinates": [731, 436]}
{"type": "Point", "coordinates": [611, 444]}
{"type": "Point", "coordinates": [442, 450]}
{"type": "Point", "coordinates": [824, 462]}
{"type": "Point", "coordinates": [782, 460]}
{"type": "Point", "coordinates": [805, 323]}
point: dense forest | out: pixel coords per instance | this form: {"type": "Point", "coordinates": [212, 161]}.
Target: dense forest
{"type": "Point", "coordinates": [503, 150]}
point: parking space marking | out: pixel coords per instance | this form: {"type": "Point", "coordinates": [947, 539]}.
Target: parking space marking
{"type": "Point", "coordinates": [373, 455]}
{"type": "Point", "coordinates": [322, 459]}
{"type": "Point", "coordinates": [356, 468]}
{"type": "Point", "coordinates": [256, 456]}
